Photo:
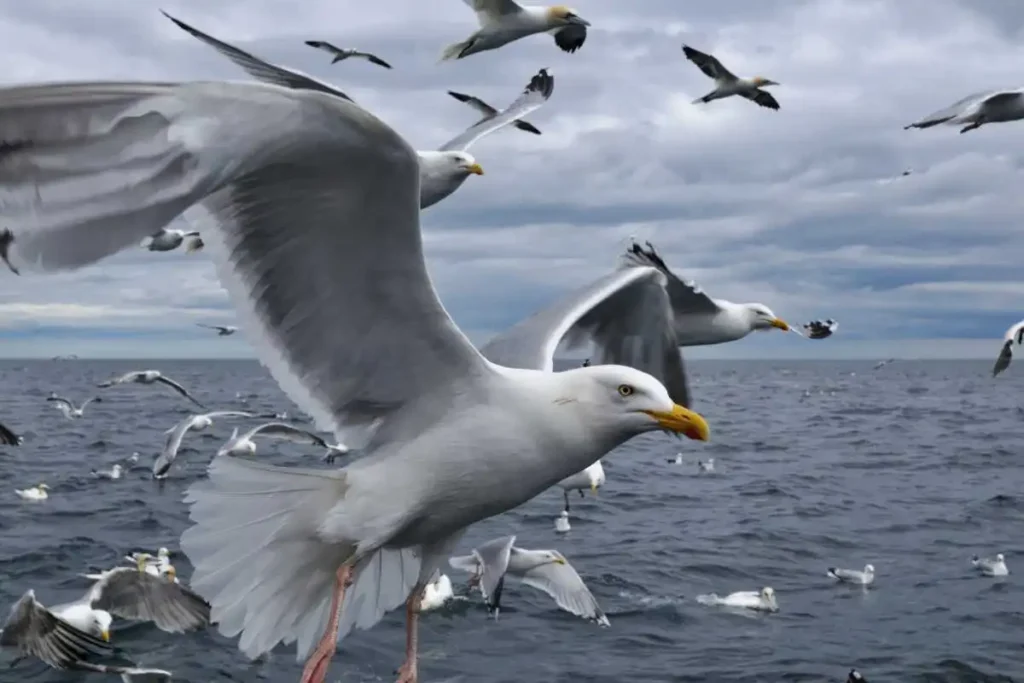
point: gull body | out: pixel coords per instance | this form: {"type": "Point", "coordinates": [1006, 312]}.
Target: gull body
{"type": "Point", "coordinates": [728, 84]}
{"type": "Point", "coordinates": [562, 524]}
{"type": "Point", "coordinates": [991, 566]}
{"type": "Point", "coordinates": [359, 342]}
{"type": "Point", "coordinates": [114, 472]}
{"type": "Point", "coordinates": [504, 21]}
{"type": "Point", "coordinates": [61, 641]}
{"type": "Point", "coordinates": [167, 239]}
{"type": "Point", "coordinates": [762, 600]}
{"type": "Point", "coordinates": [592, 477]}
{"type": "Point", "coordinates": [339, 54]}
{"type": "Point", "coordinates": [706, 466]}
{"type": "Point", "coordinates": [1014, 335]}
{"type": "Point", "coordinates": [68, 408]}
{"type": "Point", "coordinates": [176, 434]}
{"type": "Point", "coordinates": [863, 577]}
{"type": "Point", "coordinates": [34, 493]}
{"type": "Point", "coordinates": [975, 110]}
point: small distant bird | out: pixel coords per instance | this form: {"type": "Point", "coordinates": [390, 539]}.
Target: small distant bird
{"type": "Point", "coordinates": [504, 21]}
{"type": "Point", "coordinates": [149, 377]}
{"type": "Point", "coordinates": [222, 330]}
{"type": "Point", "coordinates": [57, 640]}
{"type": "Point", "coordinates": [591, 478]}
{"type": "Point", "coordinates": [134, 457]}
{"type": "Point", "coordinates": [562, 522]}
{"type": "Point", "coordinates": [992, 106]}
{"type": "Point", "coordinates": [863, 578]}
{"type": "Point", "coordinates": [241, 445]}
{"type": "Point", "coordinates": [34, 493]}
{"type": "Point", "coordinates": [342, 53]}
{"type": "Point", "coordinates": [855, 677]}
{"type": "Point", "coordinates": [706, 466]}
{"type": "Point", "coordinates": [490, 112]}
{"type": "Point", "coordinates": [546, 570]}
{"type": "Point", "coordinates": [194, 244]}
{"type": "Point", "coordinates": [167, 239]}
{"type": "Point", "coordinates": [68, 408]}
{"type": "Point", "coordinates": [176, 434]}
{"type": "Point", "coordinates": [820, 329]}
{"type": "Point", "coordinates": [991, 566]}
{"type": "Point", "coordinates": [904, 174]}
{"type": "Point", "coordinates": [586, 363]}
{"type": "Point", "coordinates": [678, 460]}
{"type": "Point", "coordinates": [9, 438]}
{"type": "Point", "coordinates": [114, 472]}
{"type": "Point", "coordinates": [1014, 334]}
{"type": "Point", "coordinates": [728, 84]}
{"type": "Point", "coordinates": [334, 451]}
{"type": "Point", "coordinates": [437, 592]}
{"type": "Point", "coordinates": [883, 363]}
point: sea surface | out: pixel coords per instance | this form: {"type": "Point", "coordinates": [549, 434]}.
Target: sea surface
{"type": "Point", "coordinates": [914, 467]}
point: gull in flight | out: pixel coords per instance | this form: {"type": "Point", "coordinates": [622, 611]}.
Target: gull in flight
{"type": "Point", "coordinates": [38, 492]}
{"type": "Point", "coordinates": [68, 408]}
{"type": "Point", "coordinates": [176, 434]}
{"type": "Point", "coordinates": [699, 319]}
{"type": "Point", "coordinates": [993, 106]}
{"type": "Point", "coordinates": [991, 566]}
{"type": "Point", "coordinates": [149, 377]}
{"type": "Point", "coordinates": [862, 578]}
{"type": "Point", "coordinates": [8, 437]}
{"type": "Point", "coordinates": [1014, 334]}
{"type": "Point", "coordinates": [546, 570]}
{"type": "Point", "coordinates": [340, 54]}
{"type": "Point", "coordinates": [727, 84]}
{"type": "Point", "coordinates": [61, 641]}
{"type": "Point", "coordinates": [591, 478]}
{"type": "Point", "coordinates": [167, 239]}
{"type": "Point", "coordinates": [503, 21]}
{"type": "Point", "coordinates": [360, 342]}
{"type": "Point", "coordinates": [222, 330]}
{"type": "Point", "coordinates": [243, 444]}
{"type": "Point", "coordinates": [490, 112]}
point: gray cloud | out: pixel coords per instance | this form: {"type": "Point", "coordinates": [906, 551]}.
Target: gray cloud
{"type": "Point", "coordinates": [803, 209]}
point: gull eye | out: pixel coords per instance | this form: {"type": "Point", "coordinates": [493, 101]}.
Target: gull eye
{"type": "Point", "coordinates": [625, 390]}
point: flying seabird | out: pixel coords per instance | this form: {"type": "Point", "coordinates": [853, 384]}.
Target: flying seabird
{"type": "Point", "coordinates": [222, 330]}
{"type": "Point", "coordinates": [490, 112]}
{"type": "Point", "coordinates": [167, 239]}
{"type": "Point", "coordinates": [727, 83]}
{"type": "Point", "coordinates": [882, 364]}
{"type": "Point", "coordinates": [820, 329]}
{"type": "Point", "coordinates": [546, 570]}
{"type": "Point", "coordinates": [1014, 334]}
{"type": "Point", "coordinates": [149, 377]}
{"type": "Point", "coordinates": [9, 438]}
{"type": "Point", "coordinates": [992, 106]}
{"type": "Point", "coordinates": [176, 434]}
{"type": "Point", "coordinates": [68, 408]}
{"type": "Point", "coordinates": [243, 444]}
{"type": "Point", "coordinates": [503, 21]}
{"type": "Point", "coordinates": [340, 54]}
{"type": "Point", "coordinates": [35, 631]}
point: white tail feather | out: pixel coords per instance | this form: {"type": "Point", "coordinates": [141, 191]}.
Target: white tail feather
{"type": "Point", "coordinates": [454, 50]}
{"type": "Point", "coordinates": [383, 582]}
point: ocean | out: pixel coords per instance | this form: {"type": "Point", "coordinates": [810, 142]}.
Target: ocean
{"type": "Point", "coordinates": [913, 467]}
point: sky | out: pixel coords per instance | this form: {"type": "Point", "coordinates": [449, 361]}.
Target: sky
{"type": "Point", "coordinates": [803, 209]}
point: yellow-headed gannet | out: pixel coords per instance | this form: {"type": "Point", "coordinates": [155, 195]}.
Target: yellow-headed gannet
{"type": "Point", "coordinates": [503, 21]}
{"type": "Point", "coordinates": [727, 83]}
{"type": "Point", "coordinates": [340, 54]}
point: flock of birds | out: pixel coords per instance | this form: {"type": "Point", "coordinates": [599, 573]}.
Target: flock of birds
{"type": "Point", "coordinates": [311, 207]}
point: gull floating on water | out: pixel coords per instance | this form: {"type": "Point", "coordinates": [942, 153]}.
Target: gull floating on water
{"type": "Point", "coordinates": [222, 330]}
{"type": "Point", "coordinates": [698, 319]}
{"type": "Point", "coordinates": [176, 434]}
{"type": "Point", "coordinates": [167, 239]}
{"type": "Point", "coordinates": [9, 438]}
{"type": "Point", "coordinates": [338, 54]}
{"type": "Point", "coordinates": [38, 492]}
{"type": "Point", "coordinates": [114, 472]}
{"type": "Point", "coordinates": [706, 466]}
{"type": "Point", "coordinates": [820, 329]}
{"type": "Point", "coordinates": [855, 677]}
{"type": "Point", "coordinates": [358, 341]}
{"type": "Point", "coordinates": [991, 106]}
{"type": "Point", "coordinates": [859, 577]}
{"type": "Point", "coordinates": [728, 84]}
{"type": "Point", "coordinates": [562, 525]}
{"type": "Point", "coordinates": [490, 112]}
{"type": "Point", "coordinates": [437, 592]}
{"type": "Point", "coordinates": [678, 460]}
{"type": "Point", "coordinates": [157, 566]}
{"type": "Point", "coordinates": [503, 21]}
{"type": "Point", "coordinates": [149, 377]}
{"type": "Point", "coordinates": [991, 566]}
{"type": "Point", "coordinates": [243, 444]}
{"type": "Point", "coordinates": [763, 600]}
{"type": "Point", "coordinates": [35, 631]}
{"type": "Point", "coordinates": [546, 570]}
{"type": "Point", "coordinates": [68, 408]}
{"type": "Point", "coordinates": [1014, 334]}
{"type": "Point", "coordinates": [590, 478]}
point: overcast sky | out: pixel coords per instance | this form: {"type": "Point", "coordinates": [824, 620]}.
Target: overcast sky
{"type": "Point", "coordinates": [802, 209]}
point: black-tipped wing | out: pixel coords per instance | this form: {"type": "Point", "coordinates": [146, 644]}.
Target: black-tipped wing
{"type": "Point", "coordinates": [180, 389]}
{"type": "Point", "coordinates": [280, 430]}
{"type": "Point", "coordinates": [686, 296]}
{"type": "Point", "coordinates": [372, 58]}
{"type": "Point", "coordinates": [1005, 356]}
{"type": "Point", "coordinates": [710, 65]}
{"type": "Point", "coordinates": [536, 93]}
{"type": "Point", "coordinates": [61, 401]}
{"type": "Point", "coordinates": [528, 127]}
{"type": "Point", "coordinates": [571, 38]}
{"type": "Point", "coordinates": [131, 594]}
{"type": "Point", "coordinates": [475, 102]}
{"type": "Point", "coordinates": [35, 631]}
{"type": "Point", "coordinates": [7, 437]}
{"type": "Point", "coordinates": [566, 588]}
{"type": "Point", "coordinates": [762, 97]}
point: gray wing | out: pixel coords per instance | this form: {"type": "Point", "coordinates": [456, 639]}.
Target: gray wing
{"type": "Point", "coordinates": [372, 58]}
{"type": "Point", "coordinates": [260, 69]}
{"type": "Point", "coordinates": [626, 315]}
{"type": "Point", "coordinates": [171, 445]}
{"type": "Point", "coordinates": [493, 557]}
{"type": "Point", "coordinates": [180, 389]}
{"type": "Point", "coordinates": [846, 574]}
{"type": "Point", "coordinates": [475, 102]}
{"type": "Point", "coordinates": [1005, 356]}
{"type": "Point", "coordinates": [686, 296]}
{"type": "Point", "coordinates": [566, 588]}
{"type": "Point", "coordinates": [761, 97]}
{"type": "Point", "coordinates": [951, 112]}
{"type": "Point", "coordinates": [711, 67]}
{"type": "Point", "coordinates": [287, 432]}
{"type": "Point", "coordinates": [571, 38]}
{"type": "Point", "coordinates": [7, 437]}
{"type": "Point", "coordinates": [62, 401]}
{"type": "Point", "coordinates": [35, 631]}
{"type": "Point", "coordinates": [128, 593]}
{"type": "Point", "coordinates": [123, 379]}
{"type": "Point", "coordinates": [536, 93]}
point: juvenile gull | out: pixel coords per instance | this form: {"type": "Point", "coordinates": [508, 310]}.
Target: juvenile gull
{"type": "Point", "coordinates": [1013, 335]}
{"type": "Point", "coordinates": [762, 600]}
{"type": "Point", "coordinates": [222, 330]}
{"type": "Point", "coordinates": [300, 196]}
{"type": "Point", "coordinates": [338, 54]}
{"type": "Point", "coordinates": [862, 578]}
{"type": "Point", "coordinates": [590, 478]}
{"type": "Point", "coordinates": [8, 437]}
{"type": "Point", "coordinates": [149, 377]}
{"type": "Point", "coordinates": [167, 239]}
{"type": "Point", "coordinates": [728, 84]}
{"type": "Point", "coordinates": [991, 106]}
{"type": "Point", "coordinates": [503, 21]}
{"type": "Point", "coordinates": [489, 112]}
{"type": "Point", "coordinates": [68, 408]}
{"type": "Point", "coordinates": [176, 434]}
{"type": "Point", "coordinates": [991, 566]}
{"type": "Point", "coordinates": [545, 570]}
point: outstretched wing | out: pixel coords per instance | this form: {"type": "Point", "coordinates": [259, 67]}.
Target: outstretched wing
{"type": "Point", "coordinates": [475, 102]}
{"type": "Point", "coordinates": [128, 593]}
{"type": "Point", "coordinates": [60, 401]}
{"type": "Point", "coordinates": [493, 557]}
{"type": "Point", "coordinates": [566, 588]}
{"type": "Point", "coordinates": [710, 65]}
{"type": "Point", "coordinates": [953, 111]}
{"type": "Point", "coordinates": [35, 631]}
{"type": "Point", "coordinates": [287, 432]}
{"type": "Point", "coordinates": [536, 93]}
{"type": "Point", "coordinates": [686, 296]}
{"type": "Point", "coordinates": [1005, 356]}
{"type": "Point", "coordinates": [762, 97]}
{"type": "Point", "coordinates": [372, 58]}
{"type": "Point", "coordinates": [180, 389]}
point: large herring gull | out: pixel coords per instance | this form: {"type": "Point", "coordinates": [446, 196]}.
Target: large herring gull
{"type": "Point", "coordinates": [1014, 335]}
{"type": "Point", "coordinates": [311, 208]}
{"type": "Point", "coordinates": [977, 109]}
{"type": "Point", "coordinates": [503, 21]}
{"type": "Point", "coordinates": [728, 84]}
{"type": "Point", "coordinates": [442, 171]}
{"type": "Point", "coordinates": [176, 434]}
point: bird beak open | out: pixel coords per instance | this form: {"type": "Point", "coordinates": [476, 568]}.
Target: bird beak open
{"type": "Point", "coordinates": [475, 169]}
{"type": "Point", "coordinates": [105, 635]}
{"type": "Point", "coordinates": [681, 420]}
{"type": "Point", "coordinates": [780, 324]}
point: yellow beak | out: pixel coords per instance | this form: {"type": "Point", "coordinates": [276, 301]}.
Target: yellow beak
{"type": "Point", "coordinates": [475, 169]}
{"type": "Point", "coordinates": [682, 421]}
{"type": "Point", "coordinates": [105, 635]}
{"type": "Point", "coordinates": [593, 487]}
{"type": "Point", "coordinates": [781, 324]}
{"type": "Point", "coordinates": [560, 560]}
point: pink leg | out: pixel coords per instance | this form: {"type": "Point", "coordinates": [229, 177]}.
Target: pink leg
{"type": "Point", "coordinates": [407, 672]}
{"type": "Point", "coordinates": [316, 667]}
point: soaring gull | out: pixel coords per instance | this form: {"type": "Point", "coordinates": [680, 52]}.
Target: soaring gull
{"type": "Point", "coordinates": [167, 239]}
{"type": "Point", "coordinates": [35, 631]}
{"type": "Point", "coordinates": [503, 21]}
{"type": "Point", "coordinates": [299, 195]}
{"type": "Point", "coordinates": [991, 106]}
{"type": "Point", "coordinates": [728, 84]}
{"type": "Point", "coordinates": [339, 54]}
{"type": "Point", "coordinates": [242, 444]}
{"type": "Point", "coordinates": [149, 377]}
{"type": "Point", "coordinates": [176, 434]}
{"type": "Point", "coordinates": [489, 112]}
{"type": "Point", "coordinates": [222, 330]}
{"type": "Point", "coordinates": [1014, 335]}
{"type": "Point", "coordinates": [545, 570]}
{"type": "Point", "coordinates": [68, 408]}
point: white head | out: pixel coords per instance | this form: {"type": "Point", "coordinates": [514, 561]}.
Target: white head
{"type": "Point", "coordinates": [560, 15]}
{"type": "Point", "coordinates": [869, 569]}
{"type": "Point", "coordinates": [116, 469]}
{"type": "Point", "coordinates": [44, 487]}
{"type": "Point", "coordinates": [564, 514]}
{"type": "Point", "coordinates": [761, 81]}
{"type": "Point", "coordinates": [768, 595]}
{"type": "Point", "coordinates": [163, 553]}
{"type": "Point", "coordinates": [760, 317]}
{"type": "Point", "coordinates": [101, 624]}
{"type": "Point", "coordinates": [999, 558]}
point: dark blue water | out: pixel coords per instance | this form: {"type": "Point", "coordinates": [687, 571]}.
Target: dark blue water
{"type": "Point", "coordinates": [913, 468]}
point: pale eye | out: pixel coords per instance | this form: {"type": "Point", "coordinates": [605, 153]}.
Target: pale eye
{"type": "Point", "coordinates": [625, 390]}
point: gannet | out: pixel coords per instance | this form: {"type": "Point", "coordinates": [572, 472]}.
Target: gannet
{"type": "Point", "coordinates": [1014, 334]}
{"type": "Point", "coordinates": [503, 21]}
{"type": "Point", "coordinates": [340, 54]}
{"type": "Point", "coordinates": [993, 106]}
{"type": "Point", "coordinates": [728, 84]}
{"type": "Point", "coordinates": [68, 408]}
{"type": "Point", "coordinates": [34, 492]}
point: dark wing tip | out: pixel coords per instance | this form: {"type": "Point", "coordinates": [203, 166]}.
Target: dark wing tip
{"type": "Point", "coordinates": [315, 43]}
{"type": "Point", "coordinates": [179, 22]}
{"type": "Point", "coordinates": [571, 38]}
{"type": "Point", "coordinates": [528, 127]}
{"type": "Point", "coordinates": [542, 82]}
{"type": "Point", "coordinates": [6, 240]}
{"type": "Point", "coordinates": [459, 96]}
